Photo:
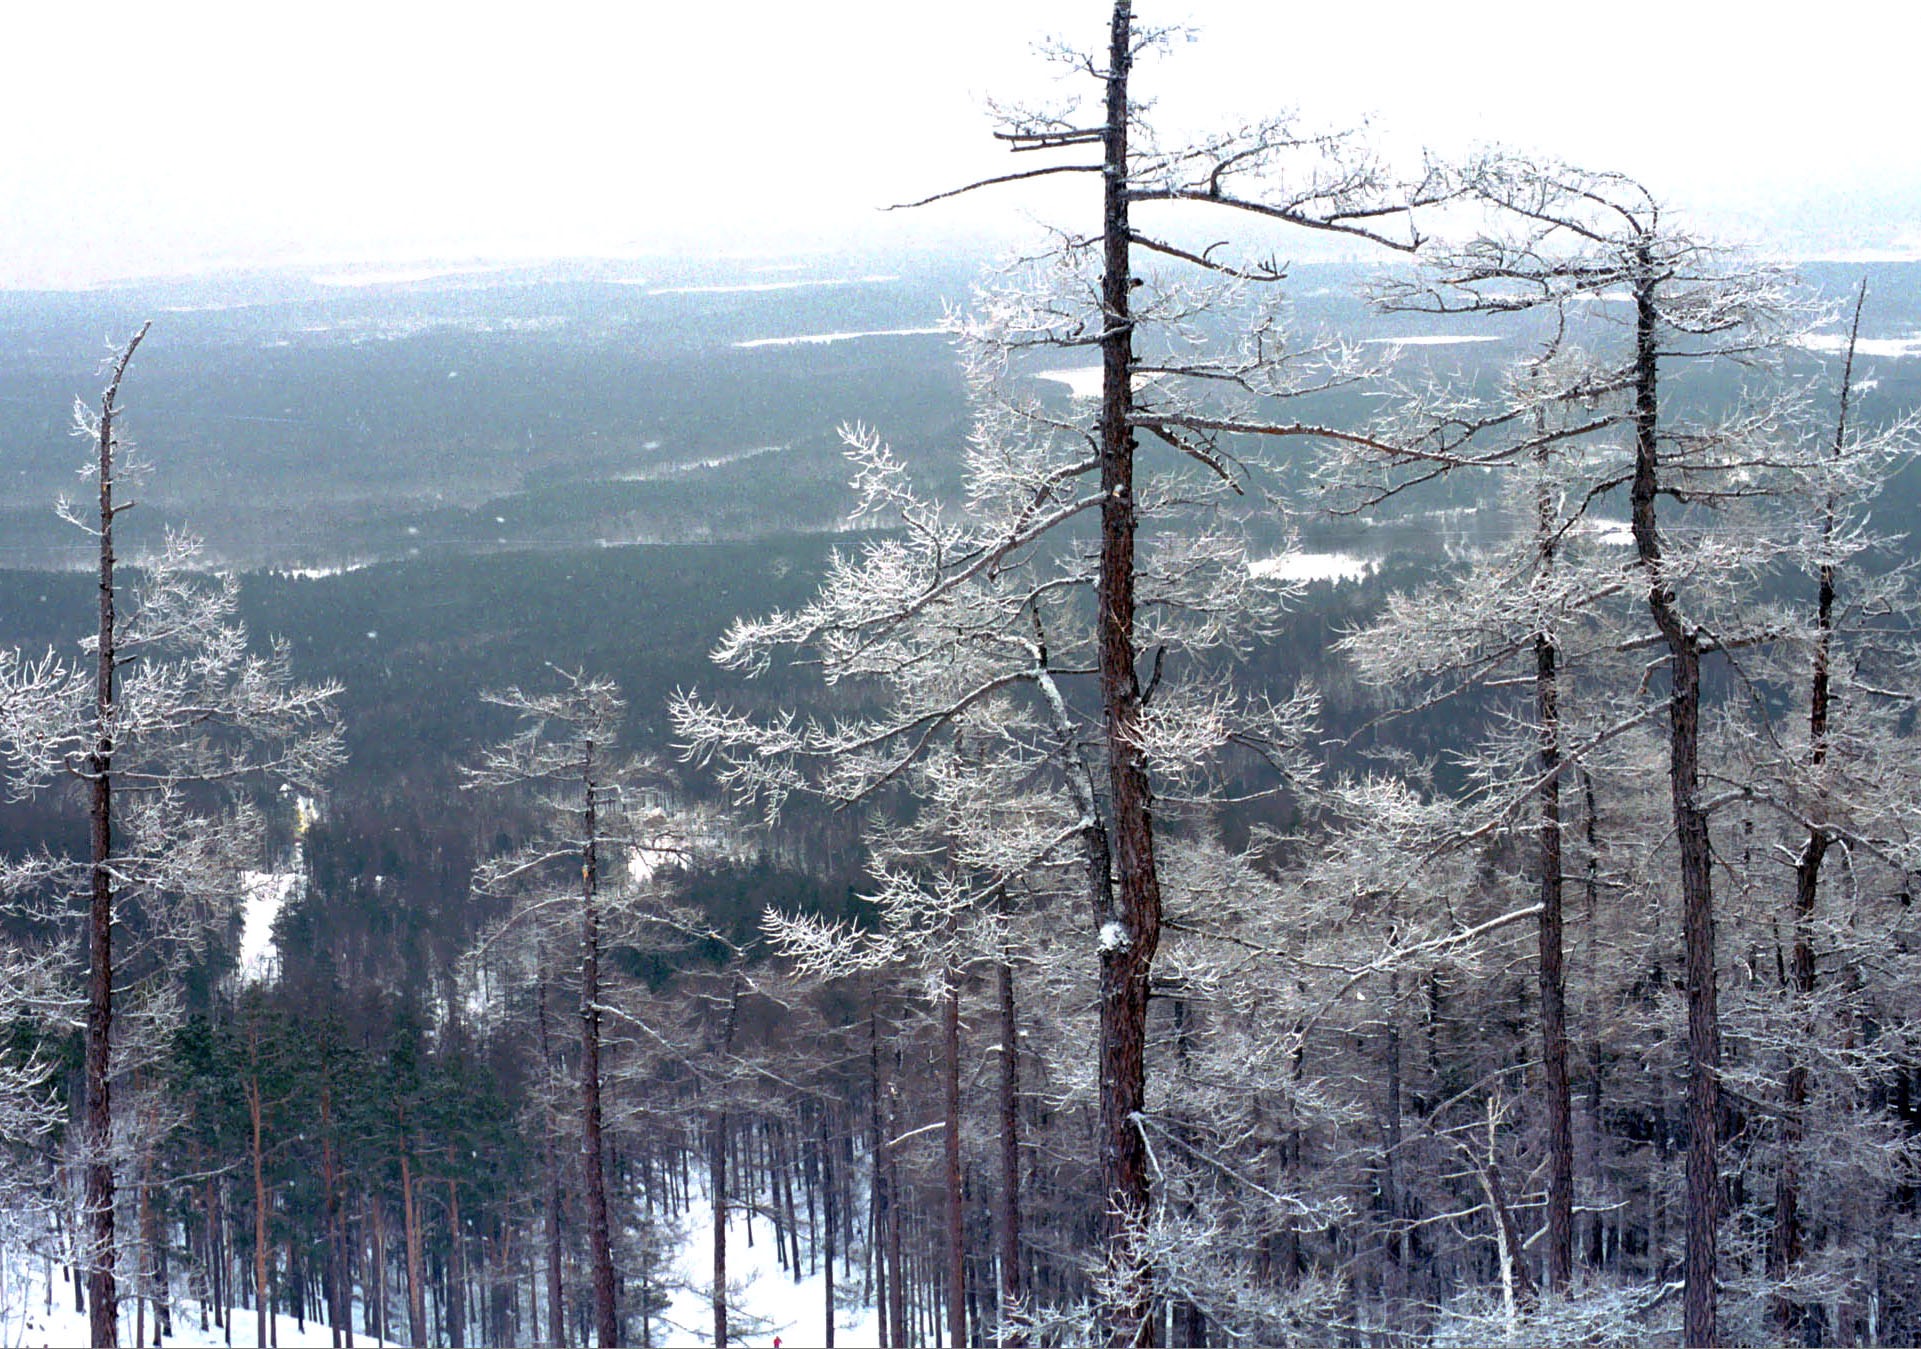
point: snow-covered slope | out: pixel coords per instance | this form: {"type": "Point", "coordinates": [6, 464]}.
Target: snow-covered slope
{"type": "Point", "coordinates": [767, 1301]}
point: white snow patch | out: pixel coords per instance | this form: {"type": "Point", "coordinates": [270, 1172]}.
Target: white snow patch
{"type": "Point", "coordinates": [1113, 936]}
{"type": "Point", "coordinates": [766, 1300]}
{"type": "Point", "coordinates": [1083, 381]}
{"type": "Point", "coordinates": [263, 894]}
{"type": "Point", "coordinates": [1835, 344]}
{"type": "Point", "coordinates": [1619, 533]}
{"type": "Point", "coordinates": [318, 573]}
{"type": "Point", "coordinates": [1430, 340]}
{"type": "Point", "coordinates": [26, 1320]}
{"type": "Point", "coordinates": [823, 339]}
{"type": "Point", "coordinates": [742, 287]}
{"type": "Point", "coordinates": [1314, 567]}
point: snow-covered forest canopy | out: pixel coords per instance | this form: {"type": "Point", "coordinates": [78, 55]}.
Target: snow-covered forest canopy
{"type": "Point", "coordinates": [1186, 798]}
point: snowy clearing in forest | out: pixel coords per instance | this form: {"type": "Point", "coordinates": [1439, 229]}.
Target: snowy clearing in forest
{"type": "Point", "coordinates": [263, 895]}
{"type": "Point", "coordinates": [26, 1320]}
{"type": "Point", "coordinates": [1334, 567]}
{"type": "Point", "coordinates": [743, 287]}
{"type": "Point", "coordinates": [767, 1301]}
{"type": "Point", "coordinates": [1084, 381]}
{"type": "Point", "coordinates": [823, 339]}
{"type": "Point", "coordinates": [1836, 344]}
{"type": "Point", "coordinates": [1617, 532]}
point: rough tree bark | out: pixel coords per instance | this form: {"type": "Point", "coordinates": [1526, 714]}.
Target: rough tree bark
{"type": "Point", "coordinates": [1131, 932]}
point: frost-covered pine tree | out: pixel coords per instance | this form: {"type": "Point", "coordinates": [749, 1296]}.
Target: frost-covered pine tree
{"type": "Point", "coordinates": [170, 712]}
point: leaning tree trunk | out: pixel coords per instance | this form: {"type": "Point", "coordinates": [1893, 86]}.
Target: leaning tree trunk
{"type": "Point", "coordinates": [1690, 827]}
{"type": "Point", "coordinates": [1131, 931]}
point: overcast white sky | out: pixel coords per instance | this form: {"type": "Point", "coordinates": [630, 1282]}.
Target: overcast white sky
{"type": "Point", "coordinates": [163, 137]}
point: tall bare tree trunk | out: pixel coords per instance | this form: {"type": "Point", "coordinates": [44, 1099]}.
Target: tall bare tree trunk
{"type": "Point", "coordinates": [593, 1150]}
{"type": "Point", "coordinates": [1785, 1243]}
{"type": "Point", "coordinates": [1130, 934]}
{"type": "Point", "coordinates": [717, 1180]}
{"type": "Point", "coordinates": [102, 1296]}
{"type": "Point", "coordinates": [1012, 1326]}
{"type": "Point", "coordinates": [1698, 1298]}
{"type": "Point", "coordinates": [950, 1109]}
{"type": "Point", "coordinates": [556, 1300]}
{"type": "Point", "coordinates": [829, 1204]}
{"type": "Point", "coordinates": [1552, 973]}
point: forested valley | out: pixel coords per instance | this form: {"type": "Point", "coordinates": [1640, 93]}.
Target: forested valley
{"type": "Point", "coordinates": [1141, 794]}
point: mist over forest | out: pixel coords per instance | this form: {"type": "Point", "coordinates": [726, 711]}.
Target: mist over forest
{"type": "Point", "coordinates": [1130, 792]}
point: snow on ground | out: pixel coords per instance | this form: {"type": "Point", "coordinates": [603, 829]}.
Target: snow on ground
{"type": "Point", "coordinates": [823, 339]}
{"type": "Point", "coordinates": [1893, 348]}
{"type": "Point", "coordinates": [740, 287]}
{"type": "Point", "coordinates": [27, 1323]}
{"type": "Point", "coordinates": [263, 895]}
{"type": "Point", "coordinates": [1084, 381]}
{"type": "Point", "coordinates": [767, 1300]}
{"type": "Point", "coordinates": [399, 276]}
{"type": "Point", "coordinates": [319, 573]}
{"type": "Point", "coordinates": [1314, 567]}
{"type": "Point", "coordinates": [1617, 532]}
{"type": "Point", "coordinates": [1430, 340]}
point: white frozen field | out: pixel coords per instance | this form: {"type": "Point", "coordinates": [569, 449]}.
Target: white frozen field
{"type": "Point", "coordinates": [768, 1301]}
{"type": "Point", "coordinates": [1082, 381]}
{"type": "Point", "coordinates": [1334, 567]}
{"type": "Point", "coordinates": [1890, 348]}
{"type": "Point", "coordinates": [741, 287]}
{"type": "Point", "coordinates": [823, 339]}
{"type": "Point", "coordinates": [28, 1323]}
